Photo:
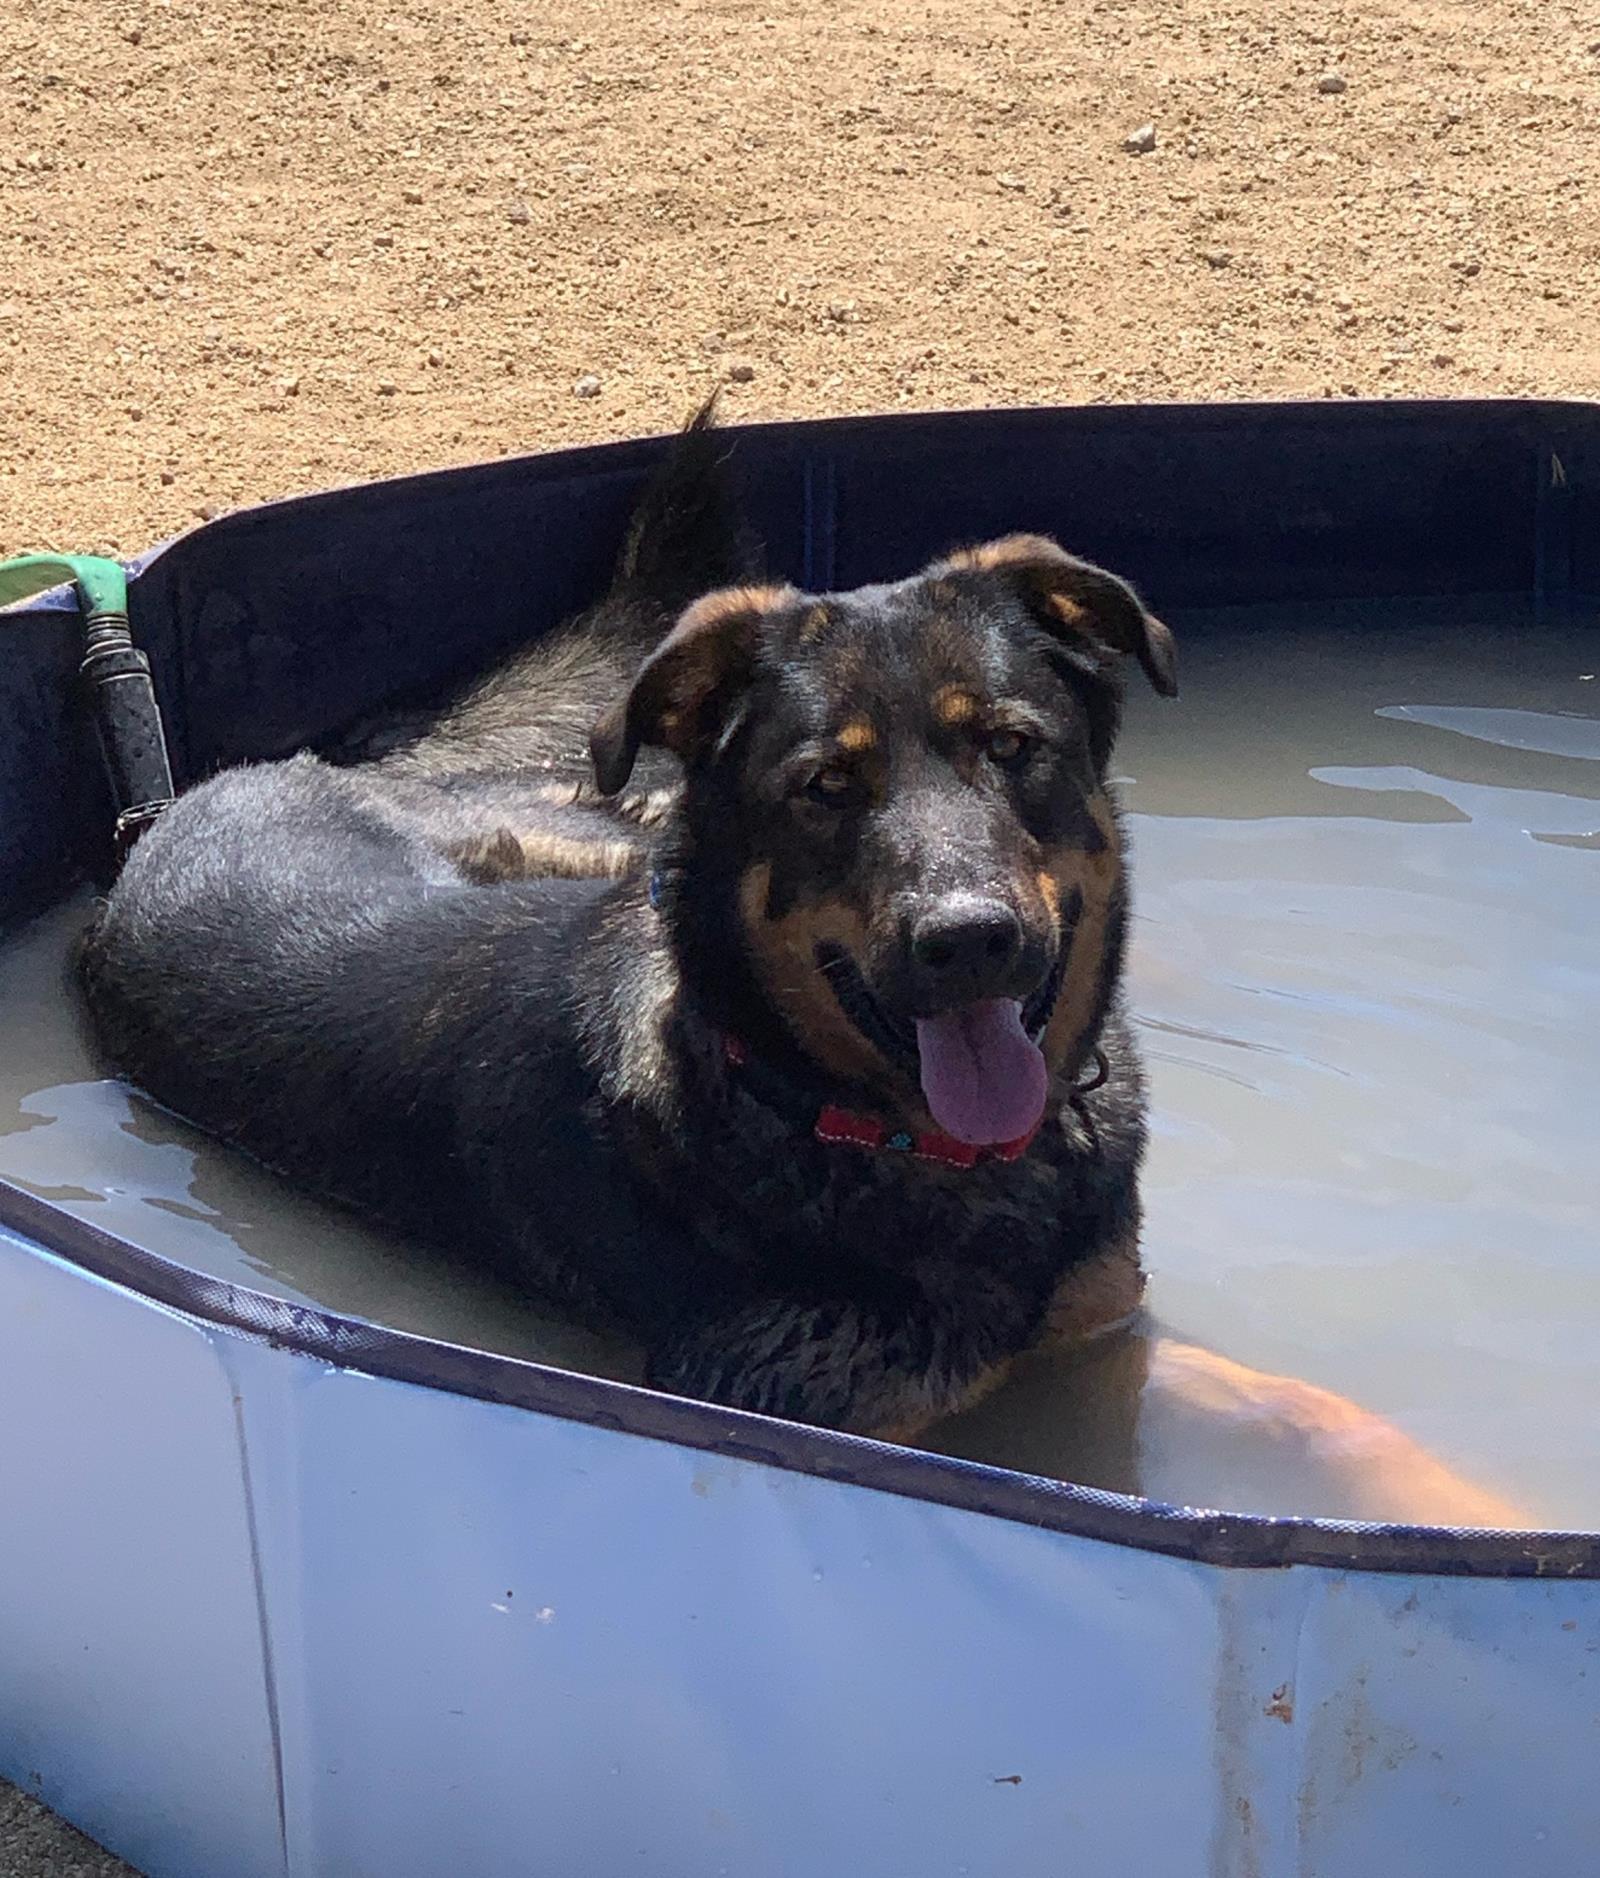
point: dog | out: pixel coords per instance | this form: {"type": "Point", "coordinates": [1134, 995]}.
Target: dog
{"type": "Point", "coordinates": [738, 969]}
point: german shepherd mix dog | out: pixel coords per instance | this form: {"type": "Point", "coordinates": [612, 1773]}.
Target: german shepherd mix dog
{"type": "Point", "coordinates": [788, 1044]}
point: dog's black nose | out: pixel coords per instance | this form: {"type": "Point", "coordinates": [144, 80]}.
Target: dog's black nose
{"type": "Point", "coordinates": [964, 947]}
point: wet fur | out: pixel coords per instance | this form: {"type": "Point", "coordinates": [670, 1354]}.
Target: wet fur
{"type": "Point", "coordinates": [306, 960]}
{"type": "Point", "coordinates": [434, 985]}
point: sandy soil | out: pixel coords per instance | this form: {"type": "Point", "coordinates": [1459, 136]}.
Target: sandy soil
{"type": "Point", "coordinates": [34, 1844]}
{"type": "Point", "coordinates": [247, 250]}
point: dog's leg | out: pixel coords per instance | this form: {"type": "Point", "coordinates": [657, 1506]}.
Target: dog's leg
{"type": "Point", "coordinates": [486, 860]}
{"type": "Point", "coordinates": [1097, 1295]}
{"type": "Point", "coordinates": [837, 1365]}
{"type": "Point", "coordinates": [1288, 1443]}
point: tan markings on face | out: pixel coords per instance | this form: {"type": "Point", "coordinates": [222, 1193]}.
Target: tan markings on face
{"type": "Point", "coordinates": [1098, 1294]}
{"type": "Point", "coordinates": [814, 625]}
{"type": "Point", "coordinates": [954, 705]}
{"type": "Point", "coordinates": [1097, 877]}
{"type": "Point", "coordinates": [784, 954]}
{"type": "Point", "coordinates": [857, 735]}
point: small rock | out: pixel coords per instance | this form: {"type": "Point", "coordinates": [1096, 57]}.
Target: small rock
{"type": "Point", "coordinates": [1010, 182]}
{"type": "Point", "coordinates": [1331, 84]}
{"type": "Point", "coordinates": [436, 358]}
{"type": "Point", "coordinates": [136, 412]}
{"type": "Point", "coordinates": [1454, 326]}
{"type": "Point", "coordinates": [291, 387]}
{"type": "Point", "coordinates": [167, 479]}
{"type": "Point", "coordinates": [519, 214]}
{"type": "Point", "coordinates": [1467, 269]}
{"type": "Point", "coordinates": [133, 35]}
{"type": "Point", "coordinates": [1217, 257]}
{"type": "Point", "coordinates": [413, 196]}
{"type": "Point", "coordinates": [519, 39]}
{"type": "Point", "coordinates": [587, 387]}
{"type": "Point", "coordinates": [383, 241]}
{"type": "Point", "coordinates": [208, 511]}
{"type": "Point", "coordinates": [1444, 358]}
{"type": "Point", "coordinates": [387, 387]}
{"type": "Point", "coordinates": [741, 371]}
{"type": "Point", "coordinates": [1140, 142]}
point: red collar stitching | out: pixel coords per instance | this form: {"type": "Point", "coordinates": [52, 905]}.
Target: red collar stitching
{"type": "Point", "coordinates": [839, 1127]}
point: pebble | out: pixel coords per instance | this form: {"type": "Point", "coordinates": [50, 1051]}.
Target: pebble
{"type": "Point", "coordinates": [387, 387]}
{"type": "Point", "coordinates": [1010, 182]}
{"type": "Point", "coordinates": [383, 241]}
{"type": "Point", "coordinates": [1140, 142]}
{"type": "Point", "coordinates": [291, 387]}
{"type": "Point", "coordinates": [1217, 257]}
{"type": "Point", "coordinates": [413, 196]}
{"type": "Point", "coordinates": [519, 214]}
{"type": "Point", "coordinates": [167, 479]}
{"type": "Point", "coordinates": [587, 387]}
{"type": "Point", "coordinates": [436, 358]}
{"type": "Point", "coordinates": [1331, 84]}
{"type": "Point", "coordinates": [1444, 358]}
{"type": "Point", "coordinates": [741, 371]}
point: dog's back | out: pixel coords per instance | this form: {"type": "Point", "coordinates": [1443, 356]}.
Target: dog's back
{"type": "Point", "coordinates": [318, 929]}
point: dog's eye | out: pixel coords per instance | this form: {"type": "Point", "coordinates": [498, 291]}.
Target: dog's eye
{"type": "Point", "coordinates": [1009, 748]}
{"type": "Point", "coordinates": [832, 786]}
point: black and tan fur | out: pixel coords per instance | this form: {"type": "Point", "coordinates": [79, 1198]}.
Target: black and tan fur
{"type": "Point", "coordinates": [436, 986]}
{"type": "Point", "coordinates": [477, 991]}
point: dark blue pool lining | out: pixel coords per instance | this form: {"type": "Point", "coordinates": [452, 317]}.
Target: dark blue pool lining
{"type": "Point", "coordinates": [277, 626]}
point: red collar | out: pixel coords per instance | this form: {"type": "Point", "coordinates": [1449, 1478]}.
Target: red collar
{"type": "Point", "coordinates": [843, 1128]}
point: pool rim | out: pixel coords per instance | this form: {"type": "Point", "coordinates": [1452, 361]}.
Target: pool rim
{"type": "Point", "coordinates": [1535, 424]}
{"type": "Point", "coordinates": [1234, 1541]}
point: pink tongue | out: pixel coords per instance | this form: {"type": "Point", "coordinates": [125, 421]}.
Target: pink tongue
{"type": "Point", "coordinates": [984, 1079]}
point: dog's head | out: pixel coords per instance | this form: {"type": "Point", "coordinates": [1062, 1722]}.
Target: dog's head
{"type": "Point", "coordinates": [901, 791]}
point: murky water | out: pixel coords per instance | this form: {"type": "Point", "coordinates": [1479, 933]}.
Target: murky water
{"type": "Point", "coordinates": [1367, 969]}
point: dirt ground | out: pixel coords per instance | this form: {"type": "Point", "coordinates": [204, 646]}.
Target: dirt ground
{"type": "Point", "coordinates": [247, 250]}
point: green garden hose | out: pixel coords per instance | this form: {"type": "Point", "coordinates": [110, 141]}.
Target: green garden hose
{"type": "Point", "coordinates": [117, 673]}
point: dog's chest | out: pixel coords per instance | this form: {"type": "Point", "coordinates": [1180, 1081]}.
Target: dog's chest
{"type": "Point", "coordinates": [765, 1195]}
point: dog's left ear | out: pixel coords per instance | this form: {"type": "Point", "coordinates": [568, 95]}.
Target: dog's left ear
{"type": "Point", "coordinates": [687, 689]}
{"type": "Point", "coordinates": [1075, 599]}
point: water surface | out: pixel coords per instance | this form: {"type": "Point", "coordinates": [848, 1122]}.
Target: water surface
{"type": "Point", "coordinates": [1366, 963]}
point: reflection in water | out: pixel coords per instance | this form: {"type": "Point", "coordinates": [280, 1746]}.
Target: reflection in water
{"type": "Point", "coordinates": [1365, 966]}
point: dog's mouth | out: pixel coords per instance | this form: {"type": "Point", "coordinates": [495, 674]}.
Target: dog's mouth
{"type": "Point", "coordinates": [980, 1067]}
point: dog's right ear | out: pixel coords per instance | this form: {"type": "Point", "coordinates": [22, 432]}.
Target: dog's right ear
{"type": "Point", "coordinates": [686, 688]}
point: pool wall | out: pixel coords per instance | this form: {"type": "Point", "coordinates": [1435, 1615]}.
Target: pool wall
{"type": "Point", "coordinates": [284, 1593]}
